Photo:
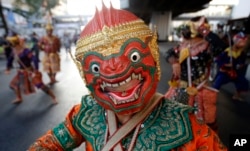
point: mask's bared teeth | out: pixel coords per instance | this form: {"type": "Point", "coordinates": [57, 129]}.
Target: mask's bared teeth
{"type": "Point", "coordinates": [122, 83]}
{"type": "Point", "coordinates": [113, 99]}
{"type": "Point", "coordinates": [102, 87]}
{"type": "Point", "coordinates": [140, 78]}
{"type": "Point", "coordinates": [134, 76]}
{"type": "Point", "coordinates": [128, 79]}
{"type": "Point", "coordinates": [114, 85]}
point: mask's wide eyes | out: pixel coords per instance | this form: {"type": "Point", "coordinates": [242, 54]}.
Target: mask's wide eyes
{"type": "Point", "coordinates": [135, 56]}
{"type": "Point", "coordinates": [95, 68]}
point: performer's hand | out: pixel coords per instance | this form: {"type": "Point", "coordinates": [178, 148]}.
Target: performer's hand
{"type": "Point", "coordinates": [176, 70]}
{"type": "Point", "coordinates": [7, 72]}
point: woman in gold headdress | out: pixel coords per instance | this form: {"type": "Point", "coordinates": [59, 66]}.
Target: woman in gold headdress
{"type": "Point", "coordinates": [50, 44]}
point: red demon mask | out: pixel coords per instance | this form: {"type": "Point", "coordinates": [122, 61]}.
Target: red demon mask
{"type": "Point", "coordinates": [118, 55]}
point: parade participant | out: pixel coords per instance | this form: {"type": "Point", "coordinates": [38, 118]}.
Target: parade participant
{"type": "Point", "coordinates": [191, 64]}
{"type": "Point", "coordinates": [7, 51]}
{"type": "Point", "coordinates": [67, 42]}
{"type": "Point", "coordinates": [50, 44]}
{"type": "Point", "coordinates": [7, 47]}
{"type": "Point", "coordinates": [231, 64]}
{"type": "Point", "coordinates": [28, 76]}
{"type": "Point", "coordinates": [35, 46]}
{"type": "Point", "coordinates": [118, 58]}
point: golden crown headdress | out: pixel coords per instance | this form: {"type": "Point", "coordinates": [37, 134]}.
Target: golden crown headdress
{"type": "Point", "coordinates": [111, 27]}
{"type": "Point", "coordinates": [49, 26]}
{"type": "Point", "coordinates": [15, 40]}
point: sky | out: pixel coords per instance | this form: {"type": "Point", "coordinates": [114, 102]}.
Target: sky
{"type": "Point", "coordinates": [87, 7]}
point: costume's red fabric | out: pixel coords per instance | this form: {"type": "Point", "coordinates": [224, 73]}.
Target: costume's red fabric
{"type": "Point", "coordinates": [194, 56]}
{"type": "Point", "coordinates": [51, 46]}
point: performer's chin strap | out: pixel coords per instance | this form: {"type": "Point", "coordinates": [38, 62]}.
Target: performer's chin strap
{"type": "Point", "coordinates": [119, 134]}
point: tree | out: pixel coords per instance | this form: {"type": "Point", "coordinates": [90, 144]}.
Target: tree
{"type": "Point", "coordinates": [35, 7]}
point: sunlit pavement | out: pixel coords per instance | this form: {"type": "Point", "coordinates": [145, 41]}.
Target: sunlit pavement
{"type": "Point", "coordinates": [21, 124]}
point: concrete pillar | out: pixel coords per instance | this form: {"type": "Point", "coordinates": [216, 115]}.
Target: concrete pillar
{"type": "Point", "coordinates": [163, 23]}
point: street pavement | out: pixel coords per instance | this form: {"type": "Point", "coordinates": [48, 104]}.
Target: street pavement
{"type": "Point", "coordinates": [21, 124]}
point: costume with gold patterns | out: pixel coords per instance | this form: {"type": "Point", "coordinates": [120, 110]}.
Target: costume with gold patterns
{"type": "Point", "coordinates": [28, 75]}
{"type": "Point", "coordinates": [118, 58]}
{"type": "Point", "coordinates": [50, 44]}
{"type": "Point", "coordinates": [194, 57]}
{"type": "Point", "coordinates": [27, 64]}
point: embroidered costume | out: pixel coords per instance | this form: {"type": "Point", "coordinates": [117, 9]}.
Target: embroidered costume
{"type": "Point", "coordinates": [50, 44]}
{"type": "Point", "coordinates": [118, 58]}
{"type": "Point", "coordinates": [28, 76]}
{"type": "Point", "coordinates": [23, 76]}
{"type": "Point", "coordinates": [168, 127]}
{"type": "Point", "coordinates": [193, 56]}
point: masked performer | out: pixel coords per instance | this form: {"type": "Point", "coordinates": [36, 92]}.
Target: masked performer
{"type": "Point", "coordinates": [232, 65]}
{"type": "Point", "coordinates": [50, 44]}
{"type": "Point", "coordinates": [118, 58]}
{"type": "Point", "coordinates": [191, 65]}
{"type": "Point", "coordinates": [28, 76]}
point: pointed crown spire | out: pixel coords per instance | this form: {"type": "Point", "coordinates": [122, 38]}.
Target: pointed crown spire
{"type": "Point", "coordinates": [109, 26]}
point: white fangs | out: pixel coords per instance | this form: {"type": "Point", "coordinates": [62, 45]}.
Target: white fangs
{"type": "Point", "coordinates": [123, 98]}
{"type": "Point", "coordinates": [131, 99]}
{"type": "Point", "coordinates": [113, 99]}
{"type": "Point", "coordinates": [114, 85]}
